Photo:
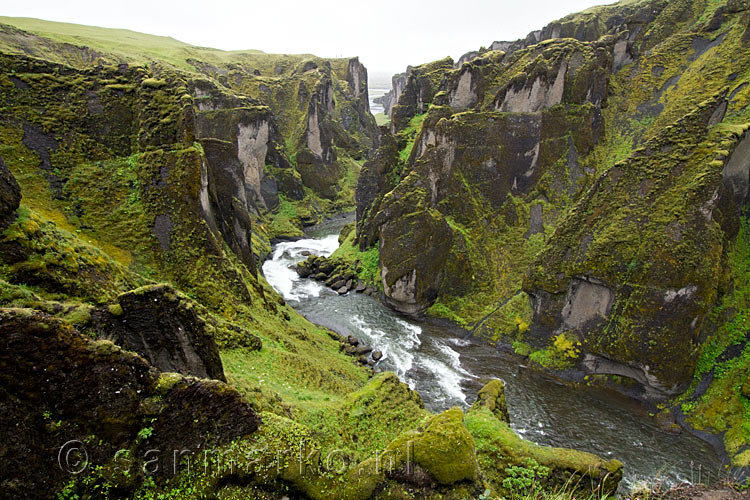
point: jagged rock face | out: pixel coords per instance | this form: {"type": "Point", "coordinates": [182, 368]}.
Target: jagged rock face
{"type": "Point", "coordinates": [10, 195]}
{"type": "Point", "coordinates": [390, 98]}
{"type": "Point", "coordinates": [413, 252]}
{"type": "Point", "coordinates": [372, 183]}
{"type": "Point", "coordinates": [236, 142]}
{"type": "Point", "coordinates": [422, 84]}
{"type": "Point", "coordinates": [595, 281]}
{"type": "Point", "coordinates": [594, 166]}
{"type": "Point", "coordinates": [157, 324]}
{"type": "Point", "coordinates": [316, 161]}
{"type": "Point", "coordinates": [252, 132]}
{"type": "Point", "coordinates": [482, 155]}
{"type": "Point", "coordinates": [736, 173]}
{"type": "Point", "coordinates": [98, 393]}
{"type": "Point", "coordinates": [585, 28]}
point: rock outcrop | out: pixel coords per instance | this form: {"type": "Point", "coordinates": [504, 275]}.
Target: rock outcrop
{"type": "Point", "coordinates": [390, 98]}
{"type": "Point", "coordinates": [10, 195]}
{"type": "Point", "coordinates": [58, 385]}
{"type": "Point", "coordinates": [492, 155]}
{"type": "Point", "coordinates": [553, 468]}
{"type": "Point", "coordinates": [165, 329]}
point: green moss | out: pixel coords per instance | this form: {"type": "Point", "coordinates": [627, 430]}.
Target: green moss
{"type": "Point", "coordinates": [115, 309]}
{"type": "Point", "coordinates": [500, 452]}
{"type": "Point", "coordinates": [492, 397]}
{"type": "Point", "coordinates": [365, 264]}
{"type": "Point", "coordinates": [408, 135]}
{"type": "Point", "coordinates": [382, 119]}
{"type": "Point", "coordinates": [364, 422]}
{"type": "Point", "coordinates": [440, 310]}
{"type": "Point", "coordinates": [79, 316]}
{"type": "Point", "coordinates": [445, 449]}
{"type": "Point", "coordinates": [511, 320]}
{"type": "Point", "coordinates": [561, 354]}
{"type": "Point", "coordinates": [58, 261]}
{"type": "Point", "coordinates": [724, 407]}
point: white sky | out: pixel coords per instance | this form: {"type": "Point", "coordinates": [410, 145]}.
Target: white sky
{"type": "Point", "coordinates": [386, 35]}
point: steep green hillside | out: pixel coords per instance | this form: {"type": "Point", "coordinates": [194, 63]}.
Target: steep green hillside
{"type": "Point", "coordinates": [320, 121]}
{"type": "Point", "coordinates": [578, 195]}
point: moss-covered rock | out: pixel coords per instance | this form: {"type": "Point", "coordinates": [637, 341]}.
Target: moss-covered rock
{"type": "Point", "coordinates": [167, 329]}
{"type": "Point", "coordinates": [492, 397]}
{"type": "Point", "coordinates": [445, 449]}
{"type": "Point", "coordinates": [105, 396]}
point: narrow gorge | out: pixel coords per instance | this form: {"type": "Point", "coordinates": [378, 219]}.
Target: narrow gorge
{"type": "Point", "coordinates": [520, 274]}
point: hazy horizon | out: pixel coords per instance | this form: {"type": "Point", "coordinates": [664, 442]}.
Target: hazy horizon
{"type": "Point", "coordinates": [387, 36]}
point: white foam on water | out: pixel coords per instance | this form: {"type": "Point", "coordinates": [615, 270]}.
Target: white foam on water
{"type": "Point", "coordinates": [279, 270]}
{"type": "Point", "coordinates": [448, 379]}
{"type": "Point", "coordinates": [460, 342]}
{"type": "Point", "coordinates": [403, 361]}
{"type": "Point", "coordinates": [280, 277]}
{"type": "Point", "coordinates": [453, 358]}
{"type": "Point", "coordinates": [413, 332]}
{"type": "Point", "coordinates": [373, 335]}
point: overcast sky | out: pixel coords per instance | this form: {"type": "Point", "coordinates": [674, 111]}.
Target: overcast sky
{"type": "Point", "coordinates": [386, 35]}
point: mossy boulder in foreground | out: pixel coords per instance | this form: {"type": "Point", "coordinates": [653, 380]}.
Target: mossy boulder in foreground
{"type": "Point", "coordinates": [57, 385]}
{"type": "Point", "coordinates": [165, 327]}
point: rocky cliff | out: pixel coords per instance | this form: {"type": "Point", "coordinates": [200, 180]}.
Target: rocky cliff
{"type": "Point", "coordinates": [578, 195]}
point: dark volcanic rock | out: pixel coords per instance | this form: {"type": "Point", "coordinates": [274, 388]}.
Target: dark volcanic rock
{"type": "Point", "coordinates": [165, 330]}
{"type": "Point", "coordinates": [10, 195]}
{"type": "Point", "coordinates": [57, 385]}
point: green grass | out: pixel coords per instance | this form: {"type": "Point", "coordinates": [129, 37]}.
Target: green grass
{"type": "Point", "coordinates": [382, 119]}
{"type": "Point", "coordinates": [409, 134]}
{"type": "Point", "coordinates": [365, 264]}
{"type": "Point", "coordinates": [119, 45]}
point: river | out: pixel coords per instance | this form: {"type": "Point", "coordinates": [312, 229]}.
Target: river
{"type": "Point", "coordinates": [447, 369]}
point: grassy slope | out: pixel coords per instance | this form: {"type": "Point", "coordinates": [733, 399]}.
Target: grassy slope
{"type": "Point", "coordinates": [299, 369]}
{"type": "Point", "coordinates": [134, 47]}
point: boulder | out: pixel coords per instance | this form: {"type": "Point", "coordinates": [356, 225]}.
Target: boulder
{"type": "Point", "coordinates": [492, 397]}
{"type": "Point", "coordinates": [444, 450]}
{"type": "Point", "coordinates": [364, 349]}
{"type": "Point", "coordinates": [377, 356]}
{"type": "Point", "coordinates": [163, 327]}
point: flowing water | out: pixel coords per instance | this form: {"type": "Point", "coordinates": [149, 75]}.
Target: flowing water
{"type": "Point", "coordinates": [448, 369]}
